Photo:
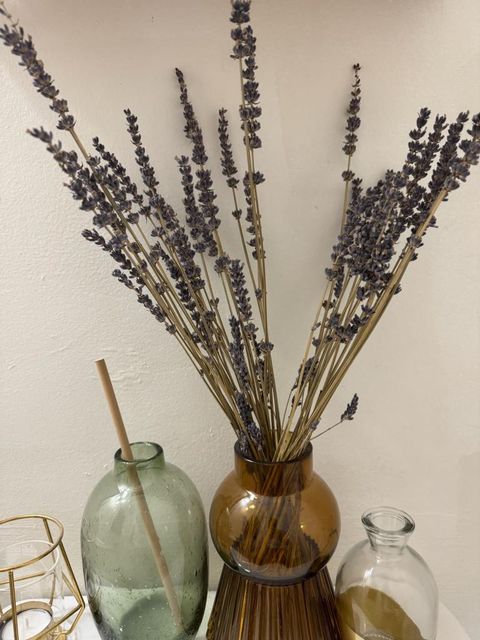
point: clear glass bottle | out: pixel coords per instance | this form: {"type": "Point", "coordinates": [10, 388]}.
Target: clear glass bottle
{"type": "Point", "coordinates": [126, 594]}
{"type": "Point", "coordinates": [384, 589]}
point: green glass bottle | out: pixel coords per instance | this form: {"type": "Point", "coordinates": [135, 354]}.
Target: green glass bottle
{"type": "Point", "coordinates": [127, 595]}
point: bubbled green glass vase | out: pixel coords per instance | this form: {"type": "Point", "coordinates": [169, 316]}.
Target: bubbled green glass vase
{"type": "Point", "coordinates": [126, 593]}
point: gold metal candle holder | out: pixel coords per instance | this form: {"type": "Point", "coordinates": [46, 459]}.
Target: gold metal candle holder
{"type": "Point", "coordinates": [35, 577]}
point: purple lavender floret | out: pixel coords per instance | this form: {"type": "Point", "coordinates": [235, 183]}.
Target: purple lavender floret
{"type": "Point", "coordinates": [240, 11]}
{"type": "Point", "coordinates": [242, 298]}
{"type": "Point", "coordinates": [353, 121]}
{"type": "Point", "coordinates": [192, 128]}
{"type": "Point", "coordinates": [204, 184]}
{"type": "Point", "coordinates": [199, 233]}
{"type": "Point", "coordinates": [229, 168]}
{"type": "Point", "coordinates": [237, 352]}
{"type": "Point", "coordinates": [351, 409]}
{"type": "Point", "coordinates": [244, 48]}
{"type": "Point", "coordinates": [254, 433]}
{"type": "Point", "coordinates": [22, 46]}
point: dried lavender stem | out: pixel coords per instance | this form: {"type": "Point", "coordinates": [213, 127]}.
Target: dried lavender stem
{"type": "Point", "coordinates": [146, 254]}
{"type": "Point", "coordinates": [227, 296]}
{"type": "Point", "coordinates": [199, 299]}
{"type": "Point", "coordinates": [174, 283]}
{"type": "Point", "coordinates": [325, 356]}
{"type": "Point", "coordinates": [203, 367]}
{"type": "Point", "coordinates": [171, 313]}
{"type": "Point", "coordinates": [345, 195]}
{"type": "Point", "coordinates": [263, 417]}
{"type": "Point", "coordinates": [244, 244]}
{"type": "Point", "coordinates": [349, 148]}
{"type": "Point", "coordinates": [340, 357]}
{"type": "Point", "coordinates": [325, 431]}
{"type": "Point", "coordinates": [259, 239]}
{"type": "Point", "coordinates": [299, 392]}
{"type": "Point", "coordinates": [260, 253]}
{"type": "Point", "coordinates": [127, 225]}
{"type": "Point", "coordinates": [196, 295]}
{"type": "Point", "coordinates": [332, 359]}
{"type": "Point", "coordinates": [269, 369]}
{"type": "Point", "coordinates": [378, 309]}
{"type": "Point", "coordinates": [325, 305]}
{"type": "Point", "coordinates": [79, 144]}
{"type": "Point", "coordinates": [256, 213]}
{"type": "Point", "coordinates": [353, 282]}
{"type": "Point", "coordinates": [173, 254]}
{"type": "Point", "coordinates": [286, 428]}
{"type": "Point", "coordinates": [211, 293]}
{"type": "Point", "coordinates": [329, 312]}
{"type": "Point", "coordinates": [317, 382]}
{"type": "Point", "coordinates": [225, 276]}
{"type": "Point", "coordinates": [251, 361]}
{"type": "Point", "coordinates": [161, 274]}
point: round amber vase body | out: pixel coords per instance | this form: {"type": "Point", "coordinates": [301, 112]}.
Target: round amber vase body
{"type": "Point", "coordinates": [275, 522]}
{"type": "Point", "coordinates": [275, 525]}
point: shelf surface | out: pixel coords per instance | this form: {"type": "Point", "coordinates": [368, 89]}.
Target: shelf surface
{"type": "Point", "coordinates": [449, 627]}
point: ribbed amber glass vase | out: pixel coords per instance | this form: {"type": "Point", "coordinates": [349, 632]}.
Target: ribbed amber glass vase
{"type": "Point", "coordinates": [275, 525]}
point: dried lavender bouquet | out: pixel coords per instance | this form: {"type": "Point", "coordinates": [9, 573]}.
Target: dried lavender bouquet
{"type": "Point", "coordinates": [216, 305]}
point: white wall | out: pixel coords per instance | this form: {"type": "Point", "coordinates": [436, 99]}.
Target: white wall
{"type": "Point", "coordinates": [416, 441]}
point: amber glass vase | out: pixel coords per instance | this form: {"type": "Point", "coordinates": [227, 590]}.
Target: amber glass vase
{"type": "Point", "coordinates": [275, 525]}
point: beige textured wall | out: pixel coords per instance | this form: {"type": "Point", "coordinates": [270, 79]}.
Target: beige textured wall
{"type": "Point", "coordinates": [416, 441]}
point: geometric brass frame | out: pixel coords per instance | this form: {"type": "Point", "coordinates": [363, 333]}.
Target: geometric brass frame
{"type": "Point", "coordinates": [55, 542]}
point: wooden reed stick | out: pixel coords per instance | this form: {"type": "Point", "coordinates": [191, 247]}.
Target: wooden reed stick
{"type": "Point", "coordinates": [150, 530]}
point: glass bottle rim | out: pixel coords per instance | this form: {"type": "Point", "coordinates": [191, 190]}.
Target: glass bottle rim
{"type": "Point", "coordinates": [155, 451]}
{"type": "Point", "coordinates": [400, 522]}
{"type": "Point", "coordinates": [265, 463]}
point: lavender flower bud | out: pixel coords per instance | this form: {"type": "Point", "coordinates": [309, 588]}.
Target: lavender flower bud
{"type": "Point", "coordinates": [242, 299]}
{"type": "Point", "coordinates": [265, 347]}
{"type": "Point", "coordinates": [21, 45]}
{"type": "Point", "coordinates": [353, 121]}
{"type": "Point", "coordinates": [254, 433]}
{"type": "Point", "coordinates": [240, 11]}
{"type": "Point", "coordinates": [351, 409]}
{"type": "Point", "coordinates": [222, 263]}
{"type": "Point", "coordinates": [229, 169]}
{"type": "Point", "coordinates": [192, 129]}
{"type": "Point", "coordinates": [237, 352]}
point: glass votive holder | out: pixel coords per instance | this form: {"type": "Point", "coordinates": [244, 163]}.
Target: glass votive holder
{"type": "Point", "coordinates": [39, 595]}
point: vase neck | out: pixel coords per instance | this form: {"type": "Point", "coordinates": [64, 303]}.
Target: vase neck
{"type": "Point", "coordinates": [274, 478]}
{"type": "Point", "coordinates": [388, 529]}
{"type": "Point", "coordinates": [146, 456]}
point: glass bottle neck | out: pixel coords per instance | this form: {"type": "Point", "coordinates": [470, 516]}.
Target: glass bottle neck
{"type": "Point", "coordinates": [147, 456]}
{"type": "Point", "coordinates": [388, 529]}
{"type": "Point", "coordinates": [274, 478]}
